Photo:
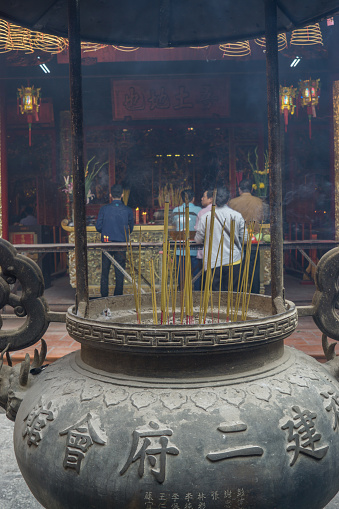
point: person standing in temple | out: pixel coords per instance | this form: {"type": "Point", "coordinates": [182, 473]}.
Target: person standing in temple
{"type": "Point", "coordinates": [223, 216]}
{"type": "Point", "coordinates": [178, 221]}
{"type": "Point", "coordinates": [206, 203]}
{"type": "Point", "coordinates": [252, 209]}
{"type": "Point", "coordinates": [115, 222]}
{"type": "Point", "coordinates": [29, 219]}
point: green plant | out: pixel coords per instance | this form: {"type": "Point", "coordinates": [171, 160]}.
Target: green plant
{"type": "Point", "coordinates": [260, 177]}
{"type": "Point", "coordinates": [90, 174]}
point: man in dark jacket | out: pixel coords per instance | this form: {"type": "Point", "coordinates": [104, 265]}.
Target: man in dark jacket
{"type": "Point", "coordinates": [115, 222]}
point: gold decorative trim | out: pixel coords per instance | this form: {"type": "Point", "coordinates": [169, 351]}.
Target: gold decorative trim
{"type": "Point", "coordinates": [137, 227]}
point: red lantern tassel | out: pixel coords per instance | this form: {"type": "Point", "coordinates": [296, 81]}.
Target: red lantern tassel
{"type": "Point", "coordinates": [286, 118]}
{"type": "Point", "coordinates": [30, 134]}
{"type": "Point", "coordinates": [309, 111]}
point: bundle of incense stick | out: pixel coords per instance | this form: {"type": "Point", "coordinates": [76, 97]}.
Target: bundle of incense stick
{"type": "Point", "coordinates": [202, 276]}
{"type": "Point", "coordinates": [238, 294]}
{"type": "Point", "coordinates": [136, 289]}
{"type": "Point", "coordinates": [170, 275]}
{"type": "Point", "coordinates": [221, 242]}
{"type": "Point", "coordinates": [208, 283]}
{"type": "Point", "coordinates": [125, 197]}
{"type": "Point", "coordinates": [188, 272]}
{"type": "Point", "coordinates": [164, 275]}
{"type": "Point", "coordinates": [174, 196]}
{"type": "Point", "coordinates": [255, 263]}
{"type": "Point", "coordinates": [154, 297]}
{"type": "Point", "coordinates": [175, 281]}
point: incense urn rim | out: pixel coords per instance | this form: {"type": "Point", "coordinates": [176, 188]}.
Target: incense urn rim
{"type": "Point", "coordinates": [118, 334]}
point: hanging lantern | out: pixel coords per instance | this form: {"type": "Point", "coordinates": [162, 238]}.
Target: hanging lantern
{"type": "Point", "coordinates": [287, 102]}
{"type": "Point", "coordinates": [309, 93]}
{"type": "Point", "coordinates": [28, 103]}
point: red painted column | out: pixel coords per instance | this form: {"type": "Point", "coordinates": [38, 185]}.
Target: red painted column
{"type": "Point", "coordinates": [3, 167]}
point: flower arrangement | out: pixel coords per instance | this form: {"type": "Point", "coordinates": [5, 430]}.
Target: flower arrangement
{"type": "Point", "coordinates": [68, 187]}
{"type": "Point", "coordinates": [90, 174]}
{"type": "Point", "coordinates": [261, 177]}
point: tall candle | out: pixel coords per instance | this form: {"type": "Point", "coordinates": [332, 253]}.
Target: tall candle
{"type": "Point", "coordinates": [137, 215]}
{"type": "Point", "coordinates": [144, 217]}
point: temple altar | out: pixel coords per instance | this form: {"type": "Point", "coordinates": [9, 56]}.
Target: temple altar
{"type": "Point", "coordinates": [142, 233]}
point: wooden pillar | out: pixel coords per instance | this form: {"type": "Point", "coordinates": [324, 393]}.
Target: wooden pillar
{"type": "Point", "coordinates": [274, 154]}
{"type": "Point", "coordinates": [79, 198]}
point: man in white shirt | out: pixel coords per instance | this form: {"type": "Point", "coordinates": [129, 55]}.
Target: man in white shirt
{"type": "Point", "coordinates": [222, 213]}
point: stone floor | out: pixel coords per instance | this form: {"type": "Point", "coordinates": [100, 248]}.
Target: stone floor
{"type": "Point", "coordinates": [14, 493]}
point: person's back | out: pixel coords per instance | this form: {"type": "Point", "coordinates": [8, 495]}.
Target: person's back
{"type": "Point", "coordinates": [178, 213]}
{"type": "Point", "coordinates": [250, 207]}
{"type": "Point", "coordinates": [30, 219]}
{"type": "Point", "coordinates": [115, 222]}
{"type": "Point", "coordinates": [223, 215]}
{"type": "Point", "coordinates": [223, 218]}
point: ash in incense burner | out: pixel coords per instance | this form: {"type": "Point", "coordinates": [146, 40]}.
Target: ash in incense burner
{"type": "Point", "coordinates": [110, 310]}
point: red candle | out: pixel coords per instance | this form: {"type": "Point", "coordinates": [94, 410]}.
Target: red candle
{"type": "Point", "coordinates": [137, 215]}
{"type": "Point", "coordinates": [144, 217]}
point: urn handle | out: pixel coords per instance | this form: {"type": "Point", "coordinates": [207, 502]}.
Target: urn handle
{"type": "Point", "coordinates": [326, 298]}
{"type": "Point", "coordinates": [30, 304]}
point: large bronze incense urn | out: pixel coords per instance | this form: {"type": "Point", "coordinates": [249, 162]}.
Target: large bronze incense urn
{"type": "Point", "coordinates": [178, 416]}
{"type": "Point", "coordinates": [220, 415]}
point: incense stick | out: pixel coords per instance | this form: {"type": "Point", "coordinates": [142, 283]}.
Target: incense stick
{"type": "Point", "coordinates": [254, 265]}
{"type": "Point", "coordinates": [209, 256]}
{"type": "Point", "coordinates": [237, 300]}
{"type": "Point", "coordinates": [164, 261]}
{"type": "Point", "coordinates": [139, 277]}
{"type": "Point", "coordinates": [154, 304]}
{"type": "Point", "coordinates": [202, 289]}
{"type": "Point", "coordinates": [220, 279]}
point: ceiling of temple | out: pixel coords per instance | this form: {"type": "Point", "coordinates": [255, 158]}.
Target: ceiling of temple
{"type": "Point", "coordinates": [162, 23]}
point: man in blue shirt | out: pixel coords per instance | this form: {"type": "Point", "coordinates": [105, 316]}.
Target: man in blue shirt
{"type": "Point", "coordinates": [178, 221]}
{"type": "Point", "coordinates": [115, 222]}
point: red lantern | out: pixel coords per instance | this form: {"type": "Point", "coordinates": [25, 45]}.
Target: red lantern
{"type": "Point", "coordinates": [287, 102]}
{"type": "Point", "coordinates": [309, 93]}
{"type": "Point", "coordinates": [28, 103]}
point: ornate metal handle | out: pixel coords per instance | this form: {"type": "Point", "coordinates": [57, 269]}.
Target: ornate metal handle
{"type": "Point", "coordinates": [31, 304]}
{"type": "Point", "coordinates": [326, 297]}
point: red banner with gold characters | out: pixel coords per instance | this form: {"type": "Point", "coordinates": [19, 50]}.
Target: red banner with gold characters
{"type": "Point", "coordinates": [163, 98]}
{"type": "Point", "coordinates": [23, 238]}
